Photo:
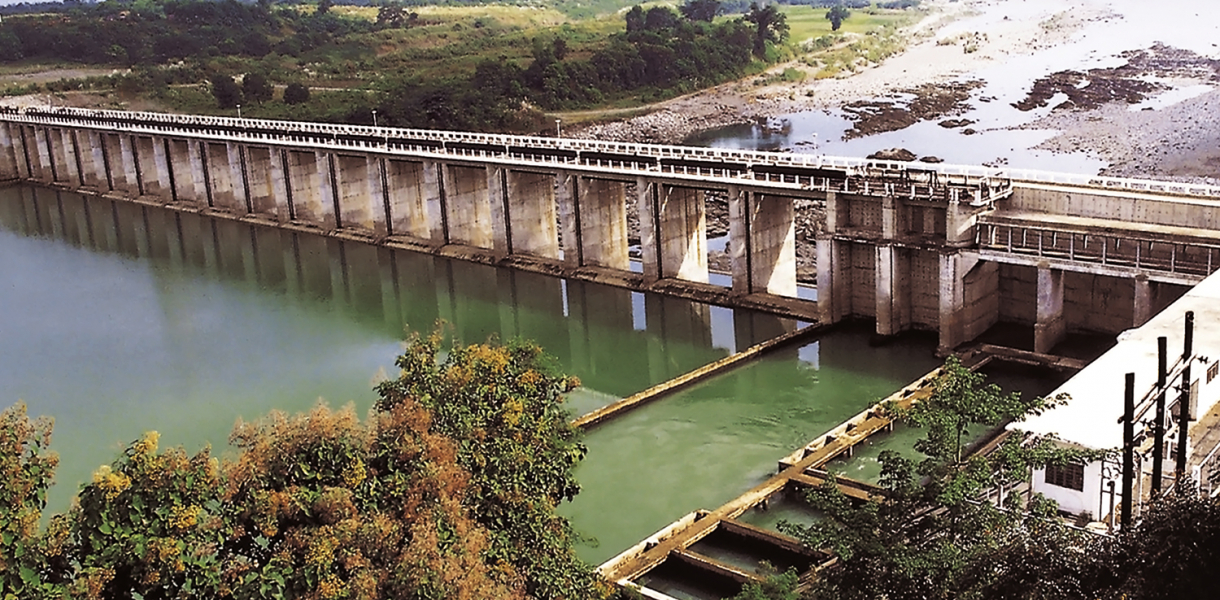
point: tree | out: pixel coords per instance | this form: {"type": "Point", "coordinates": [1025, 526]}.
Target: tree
{"type": "Point", "coordinates": [255, 88]}
{"type": "Point", "coordinates": [391, 15]}
{"type": "Point", "coordinates": [770, 26]}
{"type": "Point", "coordinates": [323, 505]}
{"type": "Point", "coordinates": [932, 534]}
{"type": "Point", "coordinates": [226, 91]}
{"type": "Point", "coordinates": [700, 10]}
{"type": "Point", "coordinates": [635, 19]}
{"type": "Point", "coordinates": [660, 18]}
{"type": "Point", "coordinates": [296, 93]}
{"type": "Point", "coordinates": [324, 6]}
{"type": "Point", "coordinates": [26, 468]}
{"type": "Point", "coordinates": [503, 406]}
{"type": "Point", "coordinates": [837, 14]}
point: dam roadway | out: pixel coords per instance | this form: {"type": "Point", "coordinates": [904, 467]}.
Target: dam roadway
{"type": "Point", "coordinates": [950, 249]}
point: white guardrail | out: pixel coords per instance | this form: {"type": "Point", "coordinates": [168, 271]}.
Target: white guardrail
{"type": "Point", "coordinates": [163, 123]}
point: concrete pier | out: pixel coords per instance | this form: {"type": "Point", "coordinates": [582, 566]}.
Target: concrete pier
{"type": "Point", "coordinates": [953, 250]}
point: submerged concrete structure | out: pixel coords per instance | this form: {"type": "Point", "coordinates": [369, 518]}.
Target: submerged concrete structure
{"type": "Point", "coordinates": [948, 249]}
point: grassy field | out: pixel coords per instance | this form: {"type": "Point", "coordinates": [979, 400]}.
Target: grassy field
{"type": "Point", "coordinates": [868, 36]}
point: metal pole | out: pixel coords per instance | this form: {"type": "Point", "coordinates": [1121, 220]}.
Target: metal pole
{"type": "Point", "coordinates": [1184, 396]}
{"type": "Point", "coordinates": [1158, 449]}
{"type": "Point", "coordinates": [1128, 448]}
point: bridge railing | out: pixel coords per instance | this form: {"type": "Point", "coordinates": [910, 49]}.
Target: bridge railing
{"type": "Point", "coordinates": [377, 138]}
{"type": "Point", "coordinates": [1178, 257]}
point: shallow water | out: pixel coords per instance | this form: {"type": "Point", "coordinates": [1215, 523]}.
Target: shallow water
{"type": "Point", "coordinates": [1187, 24]}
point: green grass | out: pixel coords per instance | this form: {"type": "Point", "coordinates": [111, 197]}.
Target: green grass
{"type": "Point", "coordinates": [868, 36]}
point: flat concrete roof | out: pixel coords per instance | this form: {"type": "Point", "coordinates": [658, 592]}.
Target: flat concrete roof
{"type": "Point", "coordinates": [1090, 418]}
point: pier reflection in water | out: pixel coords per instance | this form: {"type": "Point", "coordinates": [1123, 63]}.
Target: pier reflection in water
{"type": "Point", "coordinates": [124, 317]}
{"type": "Point", "coordinates": [121, 317]}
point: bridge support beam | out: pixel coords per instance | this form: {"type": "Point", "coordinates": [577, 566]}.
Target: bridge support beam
{"type": "Point", "coordinates": [893, 296]}
{"type": "Point", "coordinates": [264, 181]}
{"type": "Point", "coordinates": [593, 217]}
{"type": "Point", "coordinates": [66, 163]}
{"type": "Point", "coordinates": [8, 157]}
{"type": "Point", "coordinates": [1143, 310]}
{"type": "Point", "coordinates": [1050, 326]}
{"type": "Point", "coordinates": [309, 178]}
{"type": "Point", "coordinates": [673, 231]}
{"type": "Point", "coordinates": [188, 172]}
{"type": "Point", "coordinates": [93, 161]}
{"type": "Point", "coordinates": [834, 280]}
{"type": "Point", "coordinates": [969, 298]}
{"type": "Point", "coordinates": [466, 202]}
{"type": "Point", "coordinates": [530, 215]}
{"type": "Point", "coordinates": [21, 150]}
{"type": "Point", "coordinates": [122, 164]}
{"type": "Point", "coordinates": [152, 169]}
{"type": "Point", "coordinates": [408, 194]}
{"type": "Point", "coordinates": [359, 187]}
{"type": "Point", "coordinates": [224, 170]}
{"type": "Point", "coordinates": [44, 167]}
{"type": "Point", "coordinates": [762, 234]}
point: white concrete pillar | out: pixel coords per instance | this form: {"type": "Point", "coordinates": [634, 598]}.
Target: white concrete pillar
{"type": "Point", "coordinates": [220, 174]}
{"type": "Point", "coordinates": [407, 195]}
{"type": "Point", "coordinates": [500, 213]}
{"type": "Point", "coordinates": [237, 177]}
{"type": "Point", "coordinates": [149, 170]}
{"type": "Point", "coordinates": [1143, 300]}
{"type": "Point", "coordinates": [261, 170]}
{"type": "Point", "coordinates": [123, 165]}
{"type": "Point", "coordinates": [1050, 326]}
{"type": "Point", "coordinates": [18, 134]}
{"type": "Point", "coordinates": [836, 212]}
{"type": "Point", "coordinates": [436, 203]}
{"type": "Point", "coordinates": [93, 161]}
{"type": "Point", "coordinates": [673, 232]}
{"type": "Point", "coordinates": [531, 213]}
{"type": "Point", "coordinates": [468, 211]}
{"type": "Point", "coordinates": [834, 279]}
{"type": "Point", "coordinates": [771, 222]}
{"type": "Point", "coordinates": [603, 223]}
{"type": "Point", "coordinates": [360, 199]}
{"type": "Point", "coordinates": [739, 238]}
{"type": "Point", "coordinates": [891, 226]}
{"type": "Point", "coordinates": [312, 194]}
{"type": "Point", "coordinates": [202, 188]}
{"type": "Point", "coordinates": [960, 222]}
{"type": "Point", "coordinates": [952, 301]}
{"type": "Point", "coordinates": [893, 290]}
{"type": "Point", "coordinates": [566, 190]}
{"type": "Point", "coordinates": [71, 171]}
{"type": "Point", "coordinates": [188, 175]}
{"type": "Point", "coordinates": [8, 156]}
{"type": "Point", "coordinates": [45, 169]}
{"type": "Point", "coordinates": [281, 185]}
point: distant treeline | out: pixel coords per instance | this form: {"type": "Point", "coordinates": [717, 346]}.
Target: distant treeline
{"type": "Point", "coordinates": [660, 50]}
{"type": "Point", "coordinates": [112, 33]}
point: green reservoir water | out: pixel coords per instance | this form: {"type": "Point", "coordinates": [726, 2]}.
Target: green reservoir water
{"type": "Point", "coordinates": [119, 318]}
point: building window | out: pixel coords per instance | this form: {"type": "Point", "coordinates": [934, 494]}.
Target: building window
{"type": "Point", "coordinates": [1069, 476]}
{"type": "Point", "coordinates": [1212, 371]}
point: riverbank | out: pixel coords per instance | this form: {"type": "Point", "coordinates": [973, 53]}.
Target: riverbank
{"type": "Point", "coordinates": [955, 39]}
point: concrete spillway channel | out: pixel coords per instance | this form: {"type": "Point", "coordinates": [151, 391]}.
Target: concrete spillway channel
{"type": "Point", "coordinates": [712, 553]}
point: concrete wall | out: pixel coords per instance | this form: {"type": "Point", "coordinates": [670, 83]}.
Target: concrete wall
{"type": "Point", "coordinates": [772, 231]}
{"type": "Point", "coordinates": [1118, 205]}
{"type": "Point", "coordinates": [1018, 293]}
{"type": "Point", "coordinates": [531, 213]}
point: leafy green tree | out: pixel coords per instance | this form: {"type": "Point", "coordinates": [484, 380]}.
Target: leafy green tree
{"type": "Point", "coordinates": [700, 10]}
{"type": "Point", "coordinates": [503, 406]}
{"type": "Point", "coordinates": [324, 6]}
{"type": "Point", "coordinates": [660, 18]}
{"type": "Point", "coordinates": [933, 534]}
{"type": "Point", "coordinates": [771, 26]}
{"type": "Point", "coordinates": [27, 466]}
{"type": "Point", "coordinates": [837, 14]}
{"type": "Point", "coordinates": [296, 93]}
{"type": "Point", "coordinates": [226, 91]}
{"type": "Point", "coordinates": [255, 88]}
{"type": "Point", "coordinates": [391, 15]}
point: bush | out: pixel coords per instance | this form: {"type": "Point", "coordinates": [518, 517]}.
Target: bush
{"type": "Point", "coordinates": [296, 93]}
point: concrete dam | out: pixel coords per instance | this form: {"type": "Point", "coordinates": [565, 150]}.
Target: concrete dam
{"type": "Point", "coordinates": [953, 250]}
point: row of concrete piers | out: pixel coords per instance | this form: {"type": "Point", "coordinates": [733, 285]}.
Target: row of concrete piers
{"type": "Point", "coordinates": [911, 247]}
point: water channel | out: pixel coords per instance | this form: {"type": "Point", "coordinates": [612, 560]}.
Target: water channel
{"type": "Point", "coordinates": [121, 318]}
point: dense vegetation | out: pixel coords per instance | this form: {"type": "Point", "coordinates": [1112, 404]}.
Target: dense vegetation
{"type": "Point", "coordinates": [446, 490]}
{"type": "Point", "coordinates": [937, 533]}
{"type": "Point", "coordinates": [485, 68]}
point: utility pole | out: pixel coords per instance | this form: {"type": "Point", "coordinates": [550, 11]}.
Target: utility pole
{"type": "Point", "coordinates": [1128, 448]}
{"type": "Point", "coordinates": [1158, 427]}
{"type": "Point", "coordinates": [1184, 396]}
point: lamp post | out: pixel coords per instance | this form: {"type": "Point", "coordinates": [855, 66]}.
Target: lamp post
{"type": "Point", "coordinates": [239, 111]}
{"type": "Point", "coordinates": [557, 132]}
{"type": "Point", "coordinates": [374, 117]}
